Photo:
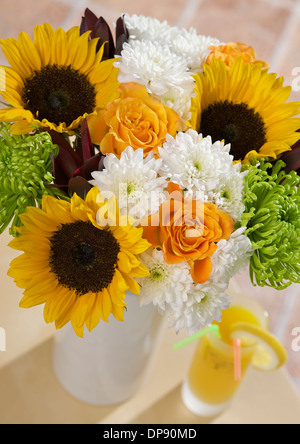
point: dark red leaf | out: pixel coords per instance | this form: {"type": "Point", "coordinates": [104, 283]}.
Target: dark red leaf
{"type": "Point", "coordinates": [90, 21]}
{"type": "Point", "coordinates": [122, 35]}
{"type": "Point", "coordinates": [88, 150]}
{"type": "Point", "coordinates": [67, 160]}
{"type": "Point", "coordinates": [80, 186]}
{"type": "Point", "coordinates": [60, 179]}
{"type": "Point", "coordinates": [100, 29]}
{"type": "Point", "coordinates": [78, 149]}
{"type": "Point", "coordinates": [88, 167]}
{"type": "Point", "coordinates": [292, 159]}
{"type": "Point", "coordinates": [103, 31]}
{"type": "Point", "coordinates": [83, 26]}
{"type": "Point", "coordinates": [119, 45]}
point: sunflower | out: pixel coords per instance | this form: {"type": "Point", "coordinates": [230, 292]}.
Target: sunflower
{"type": "Point", "coordinates": [245, 106]}
{"type": "Point", "coordinates": [78, 259]}
{"type": "Point", "coordinates": [56, 81]}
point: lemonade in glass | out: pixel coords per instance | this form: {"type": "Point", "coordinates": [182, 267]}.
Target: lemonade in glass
{"type": "Point", "coordinates": [210, 383]}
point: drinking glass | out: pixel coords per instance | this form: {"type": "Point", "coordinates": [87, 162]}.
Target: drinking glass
{"type": "Point", "coordinates": [210, 384]}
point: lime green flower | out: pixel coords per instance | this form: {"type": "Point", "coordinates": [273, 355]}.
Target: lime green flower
{"type": "Point", "coordinates": [272, 218]}
{"type": "Point", "coordinates": [25, 174]}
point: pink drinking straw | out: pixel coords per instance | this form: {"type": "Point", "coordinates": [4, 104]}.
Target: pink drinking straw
{"type": "Point", "coordinates": [237, 359]}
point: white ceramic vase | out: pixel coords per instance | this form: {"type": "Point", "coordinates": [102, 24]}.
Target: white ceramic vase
{"type": "Point", "coordinates": [110, 364]}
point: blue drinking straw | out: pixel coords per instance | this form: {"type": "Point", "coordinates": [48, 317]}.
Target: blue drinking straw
{"type": "Point", "coordinates": [210, 329]}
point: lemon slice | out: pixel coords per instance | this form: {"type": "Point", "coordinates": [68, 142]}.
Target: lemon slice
{"type": "Point", "coordinates": [269, 354]}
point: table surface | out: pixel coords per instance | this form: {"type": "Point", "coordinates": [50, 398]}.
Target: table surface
{"type": "Point", "coordinates": [31, 394]}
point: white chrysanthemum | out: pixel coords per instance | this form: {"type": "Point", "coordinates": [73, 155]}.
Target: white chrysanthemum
{"type": "Point", "coordinates": [134, 181]}
{"type": "Point", "coordinates": [171, 288]}
{"type": "Point", "coordinates": [188, 44]}
{"type": "Point", "coordinates": [193, 47]}
{"type": "Point", "coordinates": [152, 65]}
{"type": "Point", "coordinates": [228, 194]}
{"type": "Point", "coordinates": [141, 27]}
{"type": "Point", "coordinates": [167, 285]}
{"type": "Point", "coordinates": [163, 73]}
{"type": "Point", "coordinates": [206, 169]}
{"type": "Point", "coordinates": [231, 257]}
{"type": "Point", "coordinates": [180, 101]}
{"type": "Point", "coordinates": [204, 304]}
{"type": "Point", "coordinates": [194, 162]}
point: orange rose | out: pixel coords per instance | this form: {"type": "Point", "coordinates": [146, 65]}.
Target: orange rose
{"type": "Point", "coordinates": [137, 120]}
{"type": "Point", "coordinates": [188, 230]}
{"type": "Point", "coordinates": [231, 51]}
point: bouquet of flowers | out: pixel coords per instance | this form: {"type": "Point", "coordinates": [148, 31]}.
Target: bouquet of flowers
{"type": "Point", "coordinates": [161, 162]}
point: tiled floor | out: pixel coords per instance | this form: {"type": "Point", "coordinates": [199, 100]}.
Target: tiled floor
{"type": "Point", "coordinates": [270, 26]}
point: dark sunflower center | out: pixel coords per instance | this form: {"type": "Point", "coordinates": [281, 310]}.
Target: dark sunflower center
{"type": "Point", "coordinates": [58, 94]}
{"type": "Point", "coordinates": [83, 257]}
{"type": "Point", "coordinates": [58, 100]}
{"type": "Point", "coordinates": [237, 124]}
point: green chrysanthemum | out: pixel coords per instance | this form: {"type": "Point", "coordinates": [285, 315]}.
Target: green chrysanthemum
{"type": "Point", "coordinates": [272, 218]}
{"type": "Point", "coordinates": [25, 173]}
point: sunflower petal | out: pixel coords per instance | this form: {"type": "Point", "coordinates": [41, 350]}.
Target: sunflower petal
{"type": "Point", "coordinates": [29, 52]}
{"type": "Point", "coordinates": [106, 304]}
{"type": "Point", "coordinates": [95, 315]}
{"type": "Point", "coordinates": [81, 311]}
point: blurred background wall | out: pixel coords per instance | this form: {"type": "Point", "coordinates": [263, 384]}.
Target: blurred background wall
{"type": "Point", "coordinates": [272, 27]}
